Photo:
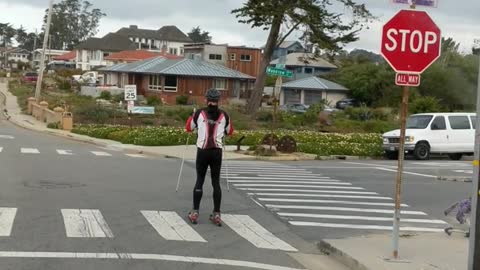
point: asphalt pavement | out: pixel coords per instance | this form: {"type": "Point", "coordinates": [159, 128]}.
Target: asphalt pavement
{"type": "Point", "coordinates": [72, 205]}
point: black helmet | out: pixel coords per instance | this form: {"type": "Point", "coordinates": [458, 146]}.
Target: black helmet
{"type": "Point", "coordinates": [212, 95]}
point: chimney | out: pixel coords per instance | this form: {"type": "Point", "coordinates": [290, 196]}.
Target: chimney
{"type": "Point", "coordinates": [135, 27]}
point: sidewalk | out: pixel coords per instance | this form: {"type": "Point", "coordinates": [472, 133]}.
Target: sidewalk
{"type": "Point", "coordinates": [29, 122]}
{"type": "Point", "coordinates": [427, 251]}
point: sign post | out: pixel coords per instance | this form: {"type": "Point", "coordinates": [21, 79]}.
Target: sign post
{"type": "Point", "coordinates": [410, 44]}
{"type": "Point", "coordinates": [280, 72]}
{"type": "Point", "coordinates": [474, 249]}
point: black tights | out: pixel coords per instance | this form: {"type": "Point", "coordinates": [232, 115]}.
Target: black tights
{"type": "Point", "coordinates": [206, 158]}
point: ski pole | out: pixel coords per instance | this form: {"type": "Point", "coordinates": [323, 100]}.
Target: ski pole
{"type": "Point", "coordinates": [226, 163]}
{"type": "Point", "coordinates": [181, 167]}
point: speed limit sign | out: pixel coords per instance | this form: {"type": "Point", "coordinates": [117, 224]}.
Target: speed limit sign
{"type": "Point", "coordinates": [130, 92]}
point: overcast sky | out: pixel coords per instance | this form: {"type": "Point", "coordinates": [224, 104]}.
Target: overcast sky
{"type": "Point", "coordinates": [457, 19]}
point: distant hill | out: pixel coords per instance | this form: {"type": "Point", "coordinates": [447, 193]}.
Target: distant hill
{"type": "Point", "coordinates": [360, 54]}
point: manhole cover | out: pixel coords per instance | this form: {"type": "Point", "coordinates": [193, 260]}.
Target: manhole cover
{"type": "Point", "coordinates": [52, 185]}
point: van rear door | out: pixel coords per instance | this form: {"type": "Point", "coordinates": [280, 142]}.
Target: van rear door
{"type": "Point", "coordinates": [462, 134]}
{"type": "Point", "coordinates": [438, 137]}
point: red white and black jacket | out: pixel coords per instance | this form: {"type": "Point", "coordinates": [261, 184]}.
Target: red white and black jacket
{"type": "Point", "coordinates": [210, 132]}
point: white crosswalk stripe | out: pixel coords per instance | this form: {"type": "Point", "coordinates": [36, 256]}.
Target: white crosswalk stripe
{"type": "Point", "coordinates": [82, 223]}
{"type": "Point", "coordinates": [249, 229]}
{"type": "Point", "coordinates": [171, 226]}
{"type": "Point", "coordinates": [135, 155]}
{"type": "Point", "coordinates": [328, 203]}
{"type": "Point", "coordinates": [7, 217]}
{"type": "Point", "coordinates": [1, 149]}
{"type": "Point", "coordinates": [65, 152]}
{"type": "Point", "coordinates": [101, 154]}
{"type": "Point", "coordinates": [29, 151]}
{"type": "Point", "coordinates": [9, 137]}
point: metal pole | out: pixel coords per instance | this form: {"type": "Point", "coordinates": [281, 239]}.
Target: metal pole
{"type": "Point", "coordinates": [398, 185]}
{"type": "Point", "coordinates": [278, 84]}
{"type": "Point", "coordinates": [38, 88]}
{"type": "Point", "coordinates": [474, 249]}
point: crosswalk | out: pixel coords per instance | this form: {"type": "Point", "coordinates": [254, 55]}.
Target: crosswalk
{"type": "Point", "coordinates": [169, 225]}
{"type": "Point", "coordinates": [65, 152]}
{"type": "Point", "coordinates": [307, 199]}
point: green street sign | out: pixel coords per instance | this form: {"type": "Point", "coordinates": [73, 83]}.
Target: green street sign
{"type": "Point", "coordinates": [279, 72]}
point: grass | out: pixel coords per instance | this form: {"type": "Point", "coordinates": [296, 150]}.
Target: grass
{"type": "Point", "coordinates": [22, 92]}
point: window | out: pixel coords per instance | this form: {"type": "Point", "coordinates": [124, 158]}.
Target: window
{"type": "Point", "coordinates": [233, 56]}
{"type": "Point", "coordinates": [171, 83]}
{"type": "Point", "coordinates": [155, 83]}
{"type": "Point", "coordinates": [299, 69]}
{"type": "Point", "coordinates": [308, 70]}
{"type": "Point", "coordinates": [173, 51]}
{"type": "Point", "coordinates": [439, 123]}
{"type": "Point", "coordinates": [459, 122]}
{"type": "Point", "coordinates": [220, 84]}
{"type": "Point", "coordinates": [215, 57]}
{"type": "Point", "coordinates": [474, 121]}
{"type": "Point", "coordinates": [246, 57]}
{"type": "Point", "coordinates": [419, 121]}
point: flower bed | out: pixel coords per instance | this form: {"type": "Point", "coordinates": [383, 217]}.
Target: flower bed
{"type": "Point", "coordinates": [321, 144]}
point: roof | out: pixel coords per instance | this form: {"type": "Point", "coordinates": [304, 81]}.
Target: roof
{"type": "Point", "coordinates": [305, 59]}
{"type": "Point", "coordinates": [243, 47]}
{"type": "Point", "coordinates": [172, 33]}
{"type": "Point", "coordinates": [138, 55]}
{"type": "Point", "coordinates": [180, 67]}
{"type": "Point", "coordinates": [67, 56]}
{"type": "Point", "coordinates": [51, 52]}
{"type": "Point", "coordinates": [314, 83]}
{"type": "Point", "coordinates": [288, 44]}
{"type": "Point", "coordinates": [167, 33]}
{"type": "Point", "coordinates": [111, 42]}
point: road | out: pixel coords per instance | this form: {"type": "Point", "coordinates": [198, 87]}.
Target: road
{"type": "Point", "coordinates": [70, 205]}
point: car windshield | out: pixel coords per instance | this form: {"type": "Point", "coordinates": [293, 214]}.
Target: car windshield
{"type": "Point", "coordinates": [31, 74]}
{"type": "Point", "coordinates": [419, 121]}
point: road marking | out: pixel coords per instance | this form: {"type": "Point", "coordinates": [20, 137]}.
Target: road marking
{"type": "Point", "coordinates": [296, 175]}
{"type": "Point", "coordinates": [171, 226]}
{"type": "Point", "coordinates": [381, 211]}
{"type": "Point", "coordinates": [253, 232]}
{"type": "Point", "coordinates": [7, 217]}
{"type": "Point", "coordinates": [406, 220]}
{"type": "Point", "coordinates": [267, 170]}
{"type": "Point", "coordinates": [135, 155]}
{"type": "Point", "coordinates": [101, 154]}
{"type": "Point", "coordinates": [290, 182]}
{"type": "Point", "coordinates": [411, 173]}
{"type": "Point", "coordinates": [300, 186]}
{"type": "Point", "coordinates": [310, 191]}
{"type": "Point", "coordinates": [321, 196]}
{"type": "Point", "coordinates": [85, 223]}
{"type": "Point", "coordinates": [65, 152]}
{"type": "Point", "coordinates": [1, 149]}
{"type": "Point", "coordinates": [464, 171]}
{"type": "Point", "coordinates": [362, 227]}
{"type": "Point", "coordinates": [139, 256]}
{"type": "Point", "coordinates": [370, 165]}
{"type": "Point", "coordinates": [327, 201]}
{"type": "Point", "coordinates": [7, 137]}
{"type": "Point", "coordinates": [29, 151]}
{"type": "Point", "coordinates": [284, 178]}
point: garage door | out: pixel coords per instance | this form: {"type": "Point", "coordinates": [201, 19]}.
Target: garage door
{"type": "Point", "coordinates": [292, 96]}
{"type": "Point", "coordinates": [313, 97]}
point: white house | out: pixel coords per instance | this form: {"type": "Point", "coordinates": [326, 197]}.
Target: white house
{"type": "Point", "coordinates": [168, 39]}
{"type": "Point", "coordinates": [49, 55]}
{"type": "Point", "coordinates": [18, 55]}
{"type": "Point", "coordinates": [91, 53]}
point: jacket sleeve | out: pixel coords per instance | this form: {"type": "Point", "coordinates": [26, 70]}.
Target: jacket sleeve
{"type": "Point", "coordinates": [192, 121]}
{"type": "Point", "coordinates": [229, 125]}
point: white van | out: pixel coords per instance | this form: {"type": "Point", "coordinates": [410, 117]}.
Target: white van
{"type": "Point", "coordinates": [439, 133]}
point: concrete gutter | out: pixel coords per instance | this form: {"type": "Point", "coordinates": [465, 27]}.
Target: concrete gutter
{"type": "Point", "coordinates": [326, 248]}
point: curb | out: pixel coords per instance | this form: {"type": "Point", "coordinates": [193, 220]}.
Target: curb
{"type": "Point", "coordinates": [464, 179]}
{"type": "Point", "coordinates": [340, 256]}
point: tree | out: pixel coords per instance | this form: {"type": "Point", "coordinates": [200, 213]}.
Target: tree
{"type": "Point", "coordinates": [73, 21]}
{"type": "Point", "coordinates": [7, 32]}
{"type": "Point", "coordinates": [198, 36]}
{"type": "Point", "coordinates": [323, 28]}
{"type": "Point", "coordinates": [21, 35]}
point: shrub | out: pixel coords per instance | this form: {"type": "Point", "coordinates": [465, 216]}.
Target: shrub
{"type": "Point", "coordinates": [153, 101]}
{"type": "Point", "coordinates": [148, 122]}
{"type": "Point", "coordinates": [65, 85]}
{"type": "Point", "coordinates": [312, 114]}
{"type": "Point", "coordinates": [95, 113]}
{"type": "Point", "coordinates": [265, 116]}
{"type": "Point", "coordinates": [425, 104]}
{"type": "Point", "coordinates": [118, 97]}
{"type": "Point", "coordinates": [55, 125]}
{"type": "Point", "coordinates": [359, 114]}
{"type": "Point", "coordinates": [182, 100]}
{"type": "Point", "coordinates": [106, 95]}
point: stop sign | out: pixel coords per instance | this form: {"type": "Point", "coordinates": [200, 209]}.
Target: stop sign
{"type": "Point", "coordinates": [411, 41]}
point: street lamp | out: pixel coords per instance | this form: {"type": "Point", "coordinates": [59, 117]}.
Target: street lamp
{"type": "Point", "coordinates": [38, 88]}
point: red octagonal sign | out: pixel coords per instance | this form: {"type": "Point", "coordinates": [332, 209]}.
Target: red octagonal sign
{"type": "Point", "coordinates": [411, 41]}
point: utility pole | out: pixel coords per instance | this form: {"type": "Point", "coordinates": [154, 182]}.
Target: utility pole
{"type": "Point", "coordinates": [474, 250]}
{"type": "Point", "coordinates": [38, 89]}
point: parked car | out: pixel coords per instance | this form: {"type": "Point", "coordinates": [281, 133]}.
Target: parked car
{"type": "Point", "coordinates": [347, 102]}
{"type": "Point", "coordinates": [329, 109]}
{"type": "Point", "coordinates": [294, 108]}
{"type": "Point", "coordinates": [90, 77]}
{"type": "Point", "coordinates": [441, 133]}
{"type": "Point", "coordinates": [30, 77]}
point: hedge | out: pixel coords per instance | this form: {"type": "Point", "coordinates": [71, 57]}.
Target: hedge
{"type": "Point", "coordinates": [311, 142]}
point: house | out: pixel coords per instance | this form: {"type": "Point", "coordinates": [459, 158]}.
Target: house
{"type": "Point", "coordinates": [134, 56]}
{"type": "Point", "coordinates": [18, 55]}
{"type": "Point", "coordinates": [67, 57]}
{"type": "Point", "coordinates": [311, 90]}
{"type": "Point", "coordinates": [287, 47]}
{"type": "Point", "coordinates": [241, 58]}
{"type": "Point", "coordinates": [49, 55]}
{"type": "Point", "coordinates": [169, 78]}
{"type": "Point", "coordinates": [91, 53]}
{"type": "Point", "coordinates": [168, 39]}
{"type": "Point", "coordinates": [304, 65]}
